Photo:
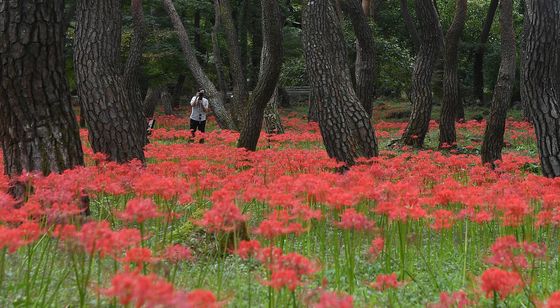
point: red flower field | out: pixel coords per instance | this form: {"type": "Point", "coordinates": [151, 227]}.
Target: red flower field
{"type": "Point", "coordinates": [210, 225]}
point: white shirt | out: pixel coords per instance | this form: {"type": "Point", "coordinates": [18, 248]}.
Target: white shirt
{"type": "Point", "coordinates": [198, 113]}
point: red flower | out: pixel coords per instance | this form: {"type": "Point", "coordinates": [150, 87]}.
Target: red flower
{"type": "Point", "coordinates": [457, 299]}
{"type": "Point", "coordinates": [139, 210]}
{"type": "Point", "coordinates": [133, 288]}
{"type": "Point", "coordinates": [500, 281]}
{"type": "Point", "coordinates": [246, 249]}
{"type": "Point", "coordinates": [377, 245]}
{"type": "Point", "coordinates": [177, 253]}
{"type": "Point", "coordinates": [286, 278]}
{"type": "Point", "coordinates": [334, 300]}
{"type": "Point", "coordinates": [139, 256]}
{"type": "Point", "coordinates": [222, 217]}
{"type": "Point", "coordinates": [196, 299]}
{"type": "Point", "coordinates": [384, 282]}
{"type": "Point", "coordinates": [351, 219]}
{"type": "Point", "coordinates": [554, 300]}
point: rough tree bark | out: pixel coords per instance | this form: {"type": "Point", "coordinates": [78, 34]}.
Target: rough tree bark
{"type": "Point", "coordinates": [494, 135]}
{"type": "Point", "coordinates": [240, 91]}
{"type": "Point", "coordinates": [151, 100]}
{"type": "Point", "coordinates": [132, 65]}
{"type": "Point", "coordinates": [271, 65]}
{"type": "Point", "coordinates": [215, 98]}
{"type": "Point", "coordinates": [345, 126]}
{"type": "Point", "coordinates": [272, 120]}
{"type": "Point", "coordinates": [38, 129]}
{"type": "Point", "coordinates": [365, 53]}
{"type": "Point", "coordinates": [255, 29]}
{"type": "Point", "coordinates": [541, 77]}
{"type": "Point", "coordinates": [218, 63]}
{"type": "Point", "coordinates": [421, 90]}
{"type": "Point", "coordinates": [166, 102]}
{"type": "Point", "coordinates": [114, 126]}
{"type": "Point", "coordinates": [451, 100]}
{"type": "Point", "coordinates": [410, 26]}
{"type": "Point", "coordinates": [523, 90]}
{"type": "Point", "coordinates": [478, 64]}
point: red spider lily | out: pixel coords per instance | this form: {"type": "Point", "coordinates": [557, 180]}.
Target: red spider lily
{"type": "Point", "coordinates": [196, 299]}
{"type": "Point", "coordinates": [139, 210]}
{"type": "Point", "coordinates": [377, 245]}
{"type": "Point", "coordinates": [457, 299]}
{"type": "Point", "coordinates": [97, 237]}
{"type": "Point", "coordinates": [279, 222]}
{"type": "Point", "coordinates": [351, 219]}
{"type": "Point", "coordinates": [285, 278]}
{"type": "Point", "coordinates": [384, 282]}
{"type": "Point", "coordinates": [222, 217]}
{"type": "Point", "coordinates": [140, 290]}
{"type": "Point", "coordinates": [508, 253]}
{"type": "Point", "coordinates": [500, 281]}
{"type": "Point", "coordinates": [139, 256]}
{"type": "Point", "coordinates": [177, 253]}
{"type": "Point", "coordinates": [333, 300]}
{"type": "Point", "coordinates": [247, 249]}
{"type": "Point", "coordinates": [296, 262]}
{"type": "Point", "coordinates": [23, 235]}
{"type": "Point", "coordinates": [443, 219]}
{"type": "Point", "coordinates": [553, 300]}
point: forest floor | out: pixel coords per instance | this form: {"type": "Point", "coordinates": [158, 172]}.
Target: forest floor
{"type": "Point", "coordinates": [205, 225]}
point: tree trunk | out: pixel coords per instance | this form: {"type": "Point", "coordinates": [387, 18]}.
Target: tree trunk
{"type": "Point", "coordinates": [166, 102]}
{"type": "Point", "coordinates": [421, 91]}
{"type": "Point", "coordinates": [366, 7]}
{"type": "Point", "coordinates": [410, 26]}
{"type": "Point", "coordinates": [272, 119]}
{"type": "Point", "coordinates": [494, 135]}
{"type": "Point", "coordinates": [151, 100]}
{"type": "Point", "coordinates": [178, 90]}
{"type": "Point", "coordinates": [451, 100]}
{"type": "Point", "coordinates": [313, 112]}
{"type": "Point", "coordinates": [365, 54]}
{"type": "Point", "coordinates": [38, 129]}
{"type": "Point", "coordinates": [478, 64]}
{"type": "Point", "coordinates": [197, 31]}
{"type": "Point", "coordinates": [132, 66]}
{"type": "Point", "coordinates": [215, 98]}
{"type": "Point", "coordinates": [218, 63]}
{"type": "Point", "coordinates": [240, 92]}
{"type": "Point", "coordinates": [345, 126]}
{"type": "Point", "coordinates": [541, 77]}
{"type": "Point", "coordinates": [523, 90]}
{"type": "Point", "coordinates": [114, 127]}
{"type": "Point", "coordinates": [257, 42]}
{"type": "Point", "coordinates": [271, 65]}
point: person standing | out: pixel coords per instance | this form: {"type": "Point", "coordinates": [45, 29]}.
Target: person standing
{"type": "Point", "coordinates": [199, 106]}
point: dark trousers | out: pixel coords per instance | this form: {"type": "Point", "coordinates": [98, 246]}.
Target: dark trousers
{"type": "Point", "coordinates": [198, 125]}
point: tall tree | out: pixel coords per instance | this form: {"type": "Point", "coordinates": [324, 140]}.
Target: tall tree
{"type": "Point", "coordinates": [116, 125]}
{"type": "Point", "coordinates": [410, 26]}
{"type": "Point", "coordinates": [451, 100]}
{"type": "Point", "coordinates": [240, 90]}
{"type": "Point", "coordinates": [541, 79]}
{"type": "Point", "coordinates": [132, 65]}
{"type": "Point", "coordinates": [270, 67]}
{"type": "Point", "coordinates": [38, 129]}
{"type": "Point", "coordinates": [216, 98]}
{"type": "Point", "coordinates": [421, 91]}
{"type": "Point", "coordinates": [365, 53]}
{"type": "Point", "coordinates": [345, 125]}
{"type": "Point", "coordinates": [478, 64]}
{"type": "Point", "coordinates": [494, 134]}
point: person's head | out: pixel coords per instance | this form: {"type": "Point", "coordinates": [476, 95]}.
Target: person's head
{"type": "Point", "coordinates": [201, 92]}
